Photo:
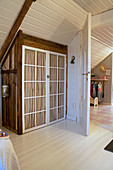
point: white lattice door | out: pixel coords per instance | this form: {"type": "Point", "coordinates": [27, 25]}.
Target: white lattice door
{"type": "Point", "coordinates": [43, 84]}
{"type": "Point", "coordinates": [57, 87]}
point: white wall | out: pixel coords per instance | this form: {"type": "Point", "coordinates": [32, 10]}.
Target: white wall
{"type": "Point", "coordinates": [73, 78]}
{"type": "Point", "coordinates": [112, 82]}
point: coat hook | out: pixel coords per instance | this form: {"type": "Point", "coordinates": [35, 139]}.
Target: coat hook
{"type": "Point", "coordinates": [72, 60]}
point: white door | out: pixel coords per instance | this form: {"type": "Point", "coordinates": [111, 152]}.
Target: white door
{"type": "Point", "coordinates": [85, 71]}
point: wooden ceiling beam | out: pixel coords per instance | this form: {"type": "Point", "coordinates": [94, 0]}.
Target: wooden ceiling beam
{"type": "Point", "coordinates": [15, 26]}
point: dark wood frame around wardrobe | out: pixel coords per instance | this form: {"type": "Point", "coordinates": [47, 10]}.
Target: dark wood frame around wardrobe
{"type": "Point", "coordinates": [12, 105]}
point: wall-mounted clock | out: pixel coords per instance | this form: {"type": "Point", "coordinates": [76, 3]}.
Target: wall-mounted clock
{"type": "Point", "coordinates": [102, 67]}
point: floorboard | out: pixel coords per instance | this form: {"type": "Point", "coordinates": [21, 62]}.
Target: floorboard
{"type": "Point", "coordinates": [62, 146]}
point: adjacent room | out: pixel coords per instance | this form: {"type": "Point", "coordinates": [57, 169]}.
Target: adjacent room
{"type": "Point", "coordinates": [53, 56]}
{"type": "Point", "coordinates": [102, 77]}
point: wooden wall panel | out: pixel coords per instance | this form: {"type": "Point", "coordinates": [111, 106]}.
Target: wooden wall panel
{"type": "Point", "coordinates": [5, 79]}
{"type": "Point", "coordinates": [6, 64]}
{"type": "Point", "coordinates": [9, 77]}
{"type": "Point", "coordinates": [44, 44]}
{"type": "Point", "coordinates": [12, 60]}
{"type": "Point", "coordinates": [19, 82]}
{"type": "Point", "coordinates": [10, 103]}
{"type": "Point", "coordinates": [5, 121]}
{"type": "Point", "coordinates": [13, 102]}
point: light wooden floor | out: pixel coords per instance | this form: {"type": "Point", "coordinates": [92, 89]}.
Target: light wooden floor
{"type": "Point", "coordinates": [62, 147]}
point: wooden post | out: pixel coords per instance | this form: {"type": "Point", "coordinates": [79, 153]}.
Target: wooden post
{"type": "Point", "coordinates": [19, 83]}
{"type": "Point", "coordinates": [15, 27]}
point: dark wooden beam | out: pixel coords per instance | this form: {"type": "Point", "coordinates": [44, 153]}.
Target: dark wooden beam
{"type": "Point", "coordinates": [43, 44]}
{"type": "Point", "coordinates": [19, 83]}
{"type": "Point", "coordinates": [14, 71]}
{"type": "Point", "coordinates": [15, 26]}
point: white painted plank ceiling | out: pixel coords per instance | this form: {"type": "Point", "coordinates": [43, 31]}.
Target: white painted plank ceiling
{"type": "Point", "coordinates": [95, 6]}
{"type": "Point", "coordinates": [104, 44]}
{"type": "Point", "coordinates": [54, 20]}
{"type": "Point", "coordinates": [99, 52]}
{"type": "Point", "coordinates": [104, 34]}
{"type": "Point", "coordinates": [9, 10]}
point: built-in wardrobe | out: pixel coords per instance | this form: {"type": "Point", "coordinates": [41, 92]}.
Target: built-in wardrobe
{"type": "Point", "coordinates": [39, 87]}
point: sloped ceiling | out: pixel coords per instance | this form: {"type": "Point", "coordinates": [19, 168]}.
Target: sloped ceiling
{"type": "Point", "coordinates": [55, 20]}
{"type": "Point", "coordinates": [102, 44]}
{"type": "Point", "coordinates": [59, 21]}
{"type": "Point", "coordinates": [9, 10]}
{"type": "Point", "coordinates": [95, 6]}
{"type": "Point", "coordinates": [104, 34]}
{"type": "Point", "coordinates": [99, 51]}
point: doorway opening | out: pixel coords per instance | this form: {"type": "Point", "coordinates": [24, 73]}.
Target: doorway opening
{"type": "Point", "coordinates": [101, 107]}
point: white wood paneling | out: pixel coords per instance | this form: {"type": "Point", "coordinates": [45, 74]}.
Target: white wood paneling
{"type": "Point", "coordinates": [73, 88]}
{"type": "Point", "coordinates": [104, 34]}
{"type": "Point", "coordinates": [99, 52]}
{"type": "Point", "coordinates": [95, 6]}
{"type": "Point", "coordinates": [54, 20]}
{"type": "Point", "coordinates": [8, 13]}
{"type": "Point", "coordinates": [102, 19]}
{"type": "Point", "coordinates": [102, 43]}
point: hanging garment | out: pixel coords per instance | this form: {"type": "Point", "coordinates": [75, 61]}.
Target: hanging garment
{"type": "Point", "coordinates": [100, 92]}
{"type": "Point", "coordinates": [96, 88]}
{"type": "Point", "coordinates": [94, 91]}
{"type": "Point", "coordinates": [91, 88]}
{"type": "Point", "coordinates": [103, 90]}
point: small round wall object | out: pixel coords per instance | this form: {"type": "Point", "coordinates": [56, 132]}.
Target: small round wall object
{"type": "Point", "coordinates": [102, 67]}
